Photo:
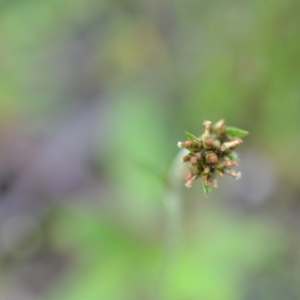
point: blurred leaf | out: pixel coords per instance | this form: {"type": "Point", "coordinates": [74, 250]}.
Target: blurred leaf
{"type": "Point", "coordinates": [236, 132]}
{"type": "Point", "coordinates": [190, 136]}
{"type": "Point", "coordinates": [122, 257]}
{"type": "Point", "coordinates": [233, 157]}
{"type": "Point", "coordinates": [206, 189]}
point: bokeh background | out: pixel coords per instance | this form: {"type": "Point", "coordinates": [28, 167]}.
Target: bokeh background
{"type": "Point", "coordinates": [94, 96]}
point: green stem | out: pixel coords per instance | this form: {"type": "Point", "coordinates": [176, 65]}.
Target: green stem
{"type": "Point", "coordinates": [173, 226]}
{"type": "Point", "coordinates": [172, 201]}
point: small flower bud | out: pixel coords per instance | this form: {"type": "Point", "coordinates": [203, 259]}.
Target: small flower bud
{"type": "Point", "coordinates": [189, 176]}
{"type": "Point", "coordinates": [234, 174]}
{"type": "Point", "coordinates": [194, 160]}
{"type": "Point", "coordinates": [231, 145]}
{"type": "Point", "coordinates": [223, 129]}
{"type": "Point", "coordinates": [207, 126]}
{"type": "Point", "coordinates": [190, 182]}
{"type": "Point", "coordinates": [229, 163]}
{"type": "Point", "coordinates": [211, 158]}
{"type": "Point", "coordinates": [219, 124]}
{"type": "Point", "coordinates": [208, 143]}
{"type": "Point", "coordinates": [185, 158]}
{"type": "Point", "coordinates": [190, 145]}
{"type": "Point", "coordinates": [220, 127]}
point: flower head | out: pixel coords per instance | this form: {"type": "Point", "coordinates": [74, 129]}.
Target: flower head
{"type": "Point", "coordinates": [212, 153]}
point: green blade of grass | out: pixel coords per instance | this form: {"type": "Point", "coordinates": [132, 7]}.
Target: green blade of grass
{"type": "Point", "coordinates": [233, 131]}
{"type": "Point", "coordinates": [206, 189]}
{"type": "Point", "coordinates": [191, 137]}
{"type": "Point", "coordinates": [233, 157]}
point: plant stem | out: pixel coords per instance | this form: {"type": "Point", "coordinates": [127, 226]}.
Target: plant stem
{"type": "Point", "coordinates": [173, 225]}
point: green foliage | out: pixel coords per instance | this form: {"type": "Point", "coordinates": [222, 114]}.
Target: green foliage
{"type": "Point", "coordinates": [233, 157]}
{"type": "Point", "coordinates": [191, 137]}
{"type": "Point", "coordinates": [115, 263]}
{"type": "Point", "coordinates": [236, 132]}
{"type": "Point", "coordinates": [206, 189]}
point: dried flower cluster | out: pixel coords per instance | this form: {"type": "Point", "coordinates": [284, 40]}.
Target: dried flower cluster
{"type": "Point", "coordinates": [212, 153]}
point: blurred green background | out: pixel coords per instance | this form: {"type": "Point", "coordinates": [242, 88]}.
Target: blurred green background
{"type": "Point", "coordinates": [154, 69]}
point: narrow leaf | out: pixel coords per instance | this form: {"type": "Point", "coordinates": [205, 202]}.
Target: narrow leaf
{"type": "Point", "coordinates": [190, 136]}
{"type": "Point", "coordinates": [206, 189]}
{"type": "Point", "coordinates": [233, 131]}
{"type": "Point", "coordinates": [233, 157]}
